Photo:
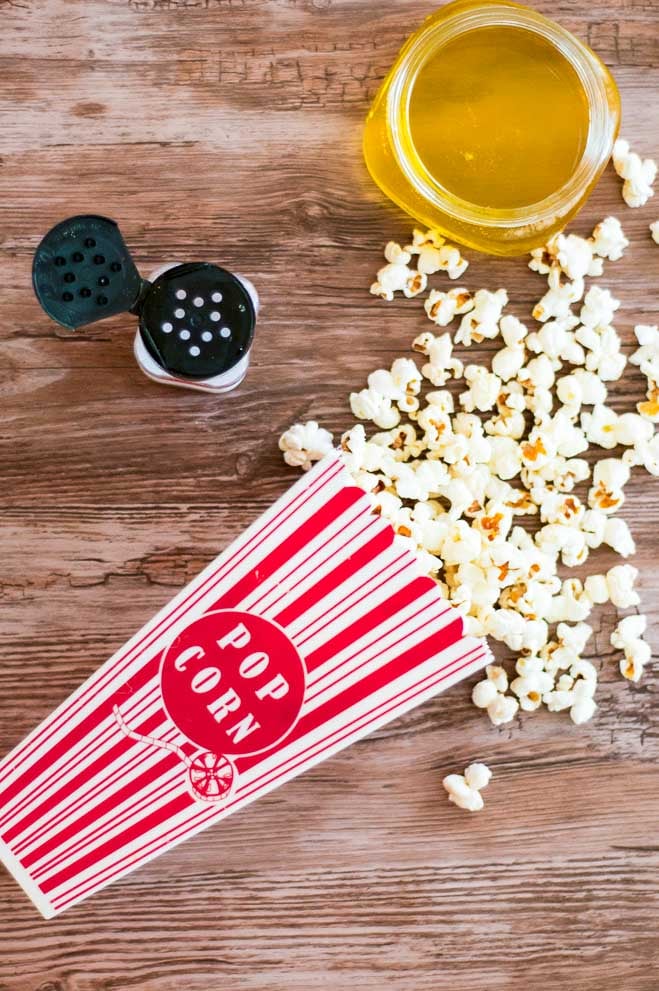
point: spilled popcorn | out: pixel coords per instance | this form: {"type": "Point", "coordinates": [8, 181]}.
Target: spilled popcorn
{"type": "Point", "coordinates": [638, 174]}
{"type": "Point", "coordinates": [456, 473]}
{"type": "Point", "coordinates": [464, 790]}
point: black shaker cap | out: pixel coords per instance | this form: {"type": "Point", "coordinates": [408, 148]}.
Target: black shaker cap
{"type": "Point", "coordinates": [83, 272]}
{"type": "Point", "coordinates": [197, 320]}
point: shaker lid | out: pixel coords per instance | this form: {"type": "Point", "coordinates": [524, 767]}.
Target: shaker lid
{"type": "Point", "coordinates": [197, 320]}
{"type": "Point", "coordinates": [83, 272]}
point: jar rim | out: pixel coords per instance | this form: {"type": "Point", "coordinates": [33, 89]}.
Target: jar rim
{"type": "Point", "coordinates": [591, 73]}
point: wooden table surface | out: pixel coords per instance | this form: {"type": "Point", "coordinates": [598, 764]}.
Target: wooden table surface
{"type": "Point", "coordinates": [229, 130]}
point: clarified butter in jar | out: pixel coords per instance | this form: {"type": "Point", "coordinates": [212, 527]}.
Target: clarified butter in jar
{"type": "Point", "coordinates": [494, 124]}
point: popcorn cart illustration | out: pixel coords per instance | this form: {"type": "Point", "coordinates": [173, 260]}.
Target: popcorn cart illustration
{"type": "Point", "coordinates": [210, 776]}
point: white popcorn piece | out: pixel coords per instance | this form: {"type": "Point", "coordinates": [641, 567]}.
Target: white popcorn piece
{"type": "Point", "coordinates": [483, 693]}
{"type": "Point", "coordinates": [600, 426]}
{"type": "Point", "coordinates": [537, 374]}
{"type": "Point", "coordinates": [618, 536]}
{"type": "Point", "coordinates": [396, 255]}
{"type": "Point", "coordinates": [627, 636]}
{"type": "Point", "coordinates": [406, 376]}
{"type": "Point", "coordinates": [647, 358]}
{"type": "Point", "coordinates": [512, 330]}
{"type": "Point", "coordinates": [599, 307]}
{"type": "Point", "coordinates": [569, 391]}
{"type": "Point", "coordinates": [415, 283]}
{"type": "Point", "coordinates": [484, 387]}
{"type": "Point", "coordinates": [435, 255]}
{"type": "Point", "coordinates": [556, 341]}
{"type": "Point", "coordinates": [575, 256]}
{"type": "Point", "coordinates": [604, 355]}
{"type": "Point", "coordinates": [593, 390]}
{"type": "Point", "coordinates": [638, 174]}
{"type": "Point", "coordinates": [507, 362]}
{"type": "Point", "coordinates": [632, 666]}
{"type": "Point", "coordinates": [654, 231]}
{"type": "Point", "coordinates": [460, 793]}
{"type": "Point", "coordinates": [506, 457]}
{"type": "Point", "coordinates": [371, 405]}
{"type": "Point", "coordinates": [597, 589]}
{"type": "Point", "coordinates": [620, 584]}
{"type": "Point", "coordinates": [575, 637]}
{"type": "Point", "coordinates": [304, 443]}
{"type": "Point", "coordinates": [559, 699]}
{"type": "Point", "coordinates": [609, 240]}
{"type": "Point", "coordinates": [632, 428]}
{"type": "Point", "coordinates": [462, 544]}
{"type": "Point", "coordinates": [571, 605]}
{"type": "Point", "coordinates": [644, 453]}
{"type": "Point", "coordinates": [628, 630]}
{"type": "Point", "coordinates": [502, 710]}
{"type": "Point", "coordinates": [529, 689]}
{"type": "Point", "coordinates": [583, 710]}
{"type": "Point", "coordinates": [389, 280]}
{"type": "Point", "coordinates": [557, 301]}
{"type": "Point", "coordinates": [557, 507]}
{"type": "Point", "coordinates": [584, 670]}
{"type": "Point", "coordinates": [609, 477]}
{"type": "Point", "coordinates": [497, 675]}
{"type": "Point", "coordinates": [507, 626]}
{"type": "Point", "coordinates": [538, 450]}
{"type": "Point", "coordinates": [442, 307]}
{"type": "Point", "coordinates": [647, 355]}
{"type": "Point", "coordinates": [478, 776]}
{"type": "Point", "coordinates": [441, 365]}
{"type": "Point", "coordinates": [482, 321]}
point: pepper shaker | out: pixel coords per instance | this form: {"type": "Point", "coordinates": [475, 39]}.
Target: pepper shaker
{"type": "Point", "coordinates": [195, 320]}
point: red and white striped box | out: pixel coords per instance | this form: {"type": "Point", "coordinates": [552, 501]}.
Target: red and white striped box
{"type": "Point", "coordinates": [311, 630]}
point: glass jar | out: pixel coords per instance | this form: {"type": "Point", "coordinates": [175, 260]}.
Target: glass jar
{"type": "Point", "coordinates": [398, 167]}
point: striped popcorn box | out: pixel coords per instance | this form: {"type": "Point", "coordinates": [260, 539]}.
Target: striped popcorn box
{"type": "Point", "coordinates": [312, 629]}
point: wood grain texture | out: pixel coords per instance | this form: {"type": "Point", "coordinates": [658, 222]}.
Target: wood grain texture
{"type": "Point", "coordinates": [230, 130]}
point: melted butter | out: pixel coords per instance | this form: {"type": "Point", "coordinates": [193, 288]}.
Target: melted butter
{"type": "Point", "coordinates": [499, 117]}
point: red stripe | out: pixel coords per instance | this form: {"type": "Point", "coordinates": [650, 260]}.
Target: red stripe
{"type": "Point", "coordinates": [95, 743]}
{"type": "Point", "coordinates": [98, 742]}
{"type": "Point", "coordinates": [113, 801]}
{"type": "Point", "coordinates": [121, 748]}
{"type": "Point", "coordinates": [48, 728]}
{"type": "Point", "coordinates": [392, 569]}
{"type": "Point", "coordinates": [335, 578]}
{"type": "Point", "coordinates": [368, 623]}
{"type": "Point", "coordinates": [47, 823]}
{"type": "Point", "coordinates": [278, 556]}
{"type": "Point", "coordinates": [317, 558]}
{"type": "Point", "coordinates": [169, 838]}
{"type": "Point", "coordinates": [322, 685]}
{"type": "Point", "coordinates": [105, 849]}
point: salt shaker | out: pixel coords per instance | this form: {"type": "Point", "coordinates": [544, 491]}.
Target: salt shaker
{"type": "Point", "coordinates": [195, 320]}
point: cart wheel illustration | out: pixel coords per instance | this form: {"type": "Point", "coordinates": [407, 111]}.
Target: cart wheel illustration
{"type": "Point", "coordinates": [210, 776]}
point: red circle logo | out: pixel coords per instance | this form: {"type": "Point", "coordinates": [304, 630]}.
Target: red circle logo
{"type": "Point", "coordinates": [233, 682]}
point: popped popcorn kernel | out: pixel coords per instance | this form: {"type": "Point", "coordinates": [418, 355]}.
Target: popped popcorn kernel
{"type": "Point", "coordinates": [304, 443]}
{"type": "Point", "coordinates": [609, 240]}
{"type": "Point", "coordinates": [638, 174]}
{"type": "Point", "coordinates": [464, 790]}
